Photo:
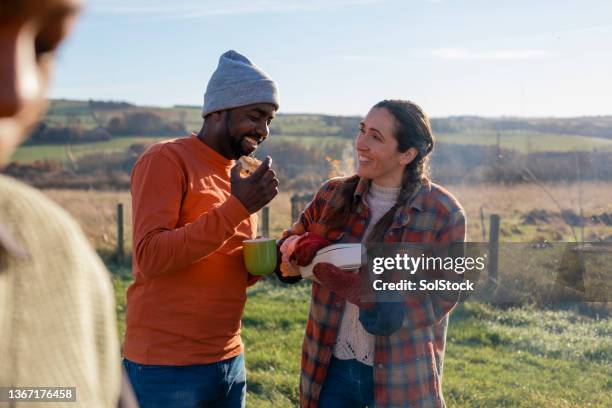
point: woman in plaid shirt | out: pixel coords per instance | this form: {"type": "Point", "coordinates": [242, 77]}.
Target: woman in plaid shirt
{"type": "Point", "coordinates": [389, 355]}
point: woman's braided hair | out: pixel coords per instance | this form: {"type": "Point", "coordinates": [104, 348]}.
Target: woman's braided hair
{"type": "Point", "coordinates": [412, 128]}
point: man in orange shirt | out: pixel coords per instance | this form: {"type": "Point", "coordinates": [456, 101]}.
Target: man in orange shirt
{"type": "Point", "coordinates": [191, 212]}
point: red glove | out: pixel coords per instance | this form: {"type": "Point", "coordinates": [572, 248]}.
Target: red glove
{"type": "Point", "coordinates": [306, 248]}
{"type": "Point", "coordinates": [345, 284]}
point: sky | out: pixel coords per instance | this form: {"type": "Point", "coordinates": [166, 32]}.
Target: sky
{"type": "Point", "coordinates": [462, 57]}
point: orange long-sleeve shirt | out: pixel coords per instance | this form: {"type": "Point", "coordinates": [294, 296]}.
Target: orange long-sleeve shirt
{"type": "Point", "coordinates": [190, 282]}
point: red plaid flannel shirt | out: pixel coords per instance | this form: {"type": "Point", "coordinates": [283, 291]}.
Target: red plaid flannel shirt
{"type": "Point", "coordinates": [407, 364]}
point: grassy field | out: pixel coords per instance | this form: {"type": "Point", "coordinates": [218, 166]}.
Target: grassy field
{"type": "Point", "coordinates": [308, 130]}
{"type": "Point", "coordinates": [526, 142]}
{"type": "Point", "coordinates": [518, 357]}
{"type": "Point", "coordinates": [520, 141]}
{"type": "Point", "coordinates": [60, 153]}
{"type": "Point", "coordinates": [96, 211]}
{"type": "Point", "coordinates": [513, 202]}
{"type": "Point", "coordinates": [496, 357]}
{"type": "Point", "coordinates": [69, 112]}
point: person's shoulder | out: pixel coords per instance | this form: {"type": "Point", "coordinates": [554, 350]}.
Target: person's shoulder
{"type": "Point", "coordinates": [337, 184]}
{"type": "Point", "coordinates": [27, 204]}
{"type": "Point", "coordinates": [442, 200]}
{"type": "Point", "coordinates": [169, 149]}
{"type": "Point", "coordinates": [39, 223]}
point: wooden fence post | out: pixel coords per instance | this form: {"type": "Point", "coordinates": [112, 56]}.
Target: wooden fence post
{"type": "Point", "coordinates": [494, 246]}
{"type": "Point", "coordinates": [265, 221]}
{"type": "Point", "coordinates": [120, 241]}
{"type": "Point", "coordinates": [294, 214]}
{"type": "Point", "coordinates": [298, 203]}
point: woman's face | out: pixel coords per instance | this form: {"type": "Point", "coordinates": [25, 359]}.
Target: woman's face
{"type": "Point", "coordinates": [30, 32]}
{"type": "Point", "coordinates": [377, 154]}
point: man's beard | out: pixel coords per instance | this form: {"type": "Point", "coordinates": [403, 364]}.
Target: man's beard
{"type": "Point", "coordinates": [237, 150]}
{"type": "Point", "coordinates": [235, 141]}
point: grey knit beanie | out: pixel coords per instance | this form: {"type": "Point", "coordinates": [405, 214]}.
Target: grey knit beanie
{"type": "Point", "coordinates": [238, 82]}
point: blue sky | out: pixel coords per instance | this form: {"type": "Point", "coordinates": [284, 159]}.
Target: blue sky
{"type": "Point", "coordinates": [488, 58]}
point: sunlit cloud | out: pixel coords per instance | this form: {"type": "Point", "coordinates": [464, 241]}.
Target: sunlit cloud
{"type": "Point", "coordinates": [463, 54]}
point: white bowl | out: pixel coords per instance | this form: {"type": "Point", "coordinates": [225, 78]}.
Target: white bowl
{"type": "Point", "coordinates": [344, 256]}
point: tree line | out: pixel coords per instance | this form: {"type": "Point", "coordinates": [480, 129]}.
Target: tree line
{"type": "Point", "coordinates": [120, 124]}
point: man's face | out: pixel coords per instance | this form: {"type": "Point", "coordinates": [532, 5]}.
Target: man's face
{"type": "Point", "coordinates": [247, 127]}
{"type": "Point", "coordinates": [30, 32]}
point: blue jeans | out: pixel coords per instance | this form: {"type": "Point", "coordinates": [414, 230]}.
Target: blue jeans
{"type": "Point", "coordinates": [215, 385]}
{"type": "Point", "coordinates": [348, 384]}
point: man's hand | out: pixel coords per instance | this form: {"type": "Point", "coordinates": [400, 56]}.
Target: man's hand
{"type": "Point", "coordinates": [257, 190]}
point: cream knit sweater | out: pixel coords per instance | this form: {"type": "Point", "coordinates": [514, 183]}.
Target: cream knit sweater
{"type": "Point", "coordinates": [57, 310]}
{"type": "Point", "coordinates": [353, 342]}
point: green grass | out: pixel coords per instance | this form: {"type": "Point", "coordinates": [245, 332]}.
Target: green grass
{"type": "Point", "coordinates": [29, 154]}
{"type": "Point", "coordinates": [273, 329]}
{"type": "Point", "coordinates": [59, 152]}
{"type": "Point", "coordinates": [518, 357]}
{"type": "Point", "coordinates": [524, 142]}
{"type": "Point", "coordinates": [485, 376]}
{"type": "Point", "coordinates": [520, 141]}
{"type": "Point", "coordinates": [524, 357]}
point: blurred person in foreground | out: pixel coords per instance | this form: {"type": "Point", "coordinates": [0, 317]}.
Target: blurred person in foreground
{"type": "Point", "coordinates": [357, 352]}
{"type": "Point", "coordinates": [57, 312]}
{"type": "Point", "coordinates": [191, 212]}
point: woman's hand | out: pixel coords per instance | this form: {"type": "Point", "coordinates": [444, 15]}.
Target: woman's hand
{"type": "Point", "coordinates": [307, 247]}
{"type": "Point", "coordinates": [289, 269]}
{"type": "Point", "coordinates": [345, 284]}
